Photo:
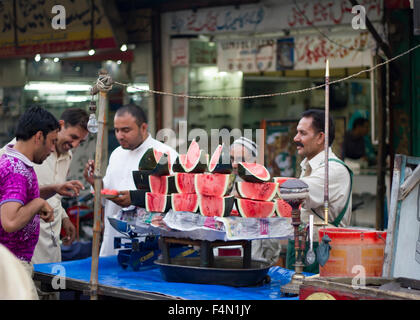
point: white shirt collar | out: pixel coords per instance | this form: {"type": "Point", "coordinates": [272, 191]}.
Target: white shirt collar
{"type": "Point", "coordinates": [317, 160]}
{"type": "Point", "coordinates": [147, 142]}
{"type": "Point", "coordinates": [16, 154]}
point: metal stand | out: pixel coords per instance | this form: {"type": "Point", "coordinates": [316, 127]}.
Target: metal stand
{"type": "Point", "coordinates": [292, 287]}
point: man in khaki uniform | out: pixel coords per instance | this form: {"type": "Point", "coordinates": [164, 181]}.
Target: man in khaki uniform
{"type": "Point", "coordinates": [52, 174]}
{"type": "Point", "coordinates": [310, 140]}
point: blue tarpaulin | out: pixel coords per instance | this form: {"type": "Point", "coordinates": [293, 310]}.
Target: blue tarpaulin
{"type": "Point", "coordinates": [110, 273]}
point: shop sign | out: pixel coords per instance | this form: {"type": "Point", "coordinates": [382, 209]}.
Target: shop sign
{"type": "Point", "coordinates": [36, 32]}
{"type": "Point", "coordinates": [342, 50]}
{"type": "Point", "coordinates": [260, 18]}
{"type": "Point", "coordinates": [254, 55]}
{"type": "Point", "coordinates": [180, 52]}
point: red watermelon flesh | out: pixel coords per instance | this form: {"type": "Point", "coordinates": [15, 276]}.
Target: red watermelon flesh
{"type": "Point", "coordinates": [213, 184]}
{"type": "Point", "coordinates": [234, 213]}
{"type": "Point", "coordinates": [283, 209]}
{"type": "Point", "coordinates": [257, 191]}
{"type": "Point", "coordinates": [253, 172]}
{"type": "Point", "coordinates": [184, 202]}
{"type": "Point", "coordinates": [216, 206]}
{"type": "Point", "coordinates": [255, 209]}
{"type": "Point", "coordinates": [158, 154]}
{"type": "Point", "coordinates": [193, 154]}
{"type": "Point", "coordinates": [195, 161]}
{"type": "Point", "coordinates": [215, 158]}
{"type": "Point", "coordinates": [162, 184]}
{"type": "Point", "coordinates": [185, 182]}
{"type": "Point", "coordinates": [156, 202]}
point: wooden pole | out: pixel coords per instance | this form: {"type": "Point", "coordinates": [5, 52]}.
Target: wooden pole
{"type": "Point", "coordinates": [381, 157]}
{"type": "Point", "coordinates": [98, 181]}
{"type": "Point", "coordinates": [327, 125]}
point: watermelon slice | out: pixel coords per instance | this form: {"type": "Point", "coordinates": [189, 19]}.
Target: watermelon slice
{"type": "Point", "coordinates": [253, 172]}
{"type": "Point", "coordinates": [220, 161]}
{"type": "Point", "coordinates": [184, 182]}
{"type": "Point", "coordinates": [216, 206]}
{"type": "Point", "coordinates": [283, 209]}
{"type": "Point", "coordinates": [150, 159]}
{"type": "Point", "coordinates": [162, 184]}
{"type": "Point", "coordinates": [257, 191]}
{"type": "Point", "coordinates": [185, 202]}
{"type": "Point", "coordinates": [156, 202]}
{"type": "Point", "coordinates": [214, 184]}
{"type": "Point", "coordinates": [163, 167]}
{"type": "Point", "coordinates": [255, 209]}
{"type": "Point", "coordinates": [141, 179]}
{"type": "Point", "coordinates": [195, 161]}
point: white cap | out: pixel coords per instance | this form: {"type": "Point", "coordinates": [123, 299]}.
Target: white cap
{"type": "Point", "coordinates": [249, 144]}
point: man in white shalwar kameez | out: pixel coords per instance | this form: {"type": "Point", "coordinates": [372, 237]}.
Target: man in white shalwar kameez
{"type": "Point", "coordinates": [130, 125]}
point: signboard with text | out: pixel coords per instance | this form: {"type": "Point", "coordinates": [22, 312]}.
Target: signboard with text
{"type": "Point", "coordinates": [39, 31]}
{"type": "Point", "coordinates": [260, 18]}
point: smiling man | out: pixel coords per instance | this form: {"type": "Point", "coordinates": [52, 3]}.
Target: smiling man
{"type": "Point", "coordinates": [310, 140]}
{"type": "Point", "coordinates": [130, 126]}
{"type": "Point", "coordinates": [52, 174]}
{"type": "Point", "coordinates": [310, 143]}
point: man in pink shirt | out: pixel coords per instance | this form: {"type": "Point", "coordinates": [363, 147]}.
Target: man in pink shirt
{"type": "Point", "coordinates": [21, 206]}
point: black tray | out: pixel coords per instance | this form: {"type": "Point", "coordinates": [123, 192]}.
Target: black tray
{"type": "Point", "coordinates": [225, 271]}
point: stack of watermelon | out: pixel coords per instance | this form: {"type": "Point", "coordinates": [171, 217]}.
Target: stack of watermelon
{"type": "Point", "coordinates": [198, 190]}
{"type": "Point", "coordinates": [153, 181]}
{"type": "Point", "coordinates": [215, 186]}
{"type": "Point", "coordinates": [186, 167]}
{"type": "Point", "coordinates": [256, 192]}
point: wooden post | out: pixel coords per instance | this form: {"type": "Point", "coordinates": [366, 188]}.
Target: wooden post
{"type": "Point", "coordinates": [103, 100]}
{"type": "Point", "coordinates": [381, 157]}
{"type": "Point", "coordinates": [326, 144]}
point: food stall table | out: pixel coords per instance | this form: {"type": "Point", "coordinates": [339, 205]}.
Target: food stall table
{"type": "Point", "coordinates": [148, 284]}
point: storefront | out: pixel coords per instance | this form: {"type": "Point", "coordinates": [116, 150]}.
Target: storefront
{"type": "Point", "coordinates": [55, 68]}
{"type": "Point", "coordinates": [271, 49]}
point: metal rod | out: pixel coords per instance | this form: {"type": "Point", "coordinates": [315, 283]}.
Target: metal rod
{"type": "Point", "coordinates": [98, 186]}
{"type": "Point", "coordinates": [327, 124]}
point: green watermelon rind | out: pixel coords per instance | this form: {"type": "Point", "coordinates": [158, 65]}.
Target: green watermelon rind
{"type": "Point", "coordinates": [148, 160]}
{"type": "Point", "coordinates": [167, 203]}
{"type": "Point", "coordinates": [141, 179]}
{"type": "Point", "coordinates": [137, 198]}
{"type": "Point", "coordinates": [162, 168]}
{"type": "Point", "coordinates": [228, 202]}
{"type": "Point", "coordinates": [248, 176]}
{"type": "Point", "coordinates": [226, 188]}
{"type": "Point", "coordinates": [255, 196]}
{"type": "Point", "coordinates": [242, 210]}
{"type": "Point", "coordinates": [170, 184]}
{"type": "Point", "coordinates": [194, 210]}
